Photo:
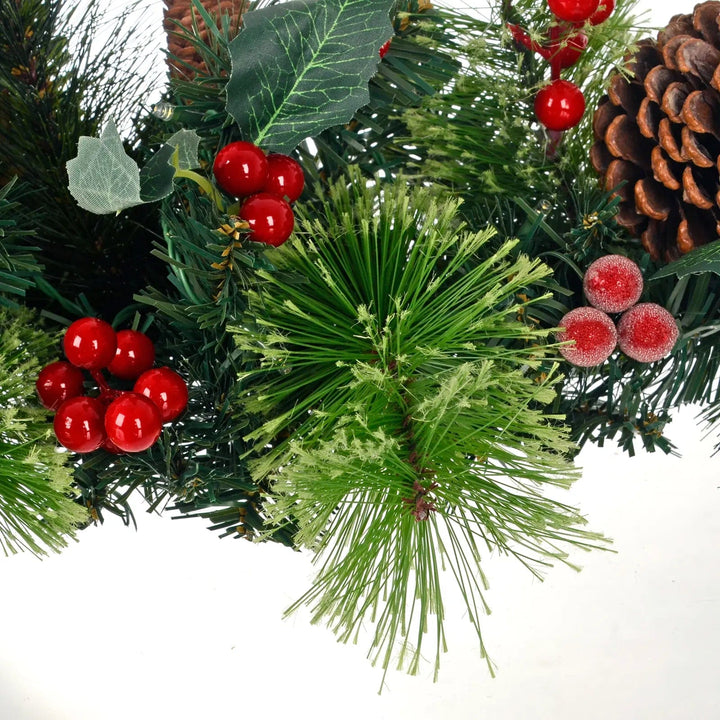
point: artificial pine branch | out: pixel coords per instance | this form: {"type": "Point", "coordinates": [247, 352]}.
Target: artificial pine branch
{"type": "Point", "coordinates": [56, 84]}
{"type": "Point", "coordinates": [38, 511]}
{"type": "Point", "coordinates": [403, 399]}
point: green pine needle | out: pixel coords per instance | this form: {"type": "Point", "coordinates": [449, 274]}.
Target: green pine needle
{"type": "Point", "coordinates": [403, 398]}
{"type": "Point", "coordinates": [37, 508]}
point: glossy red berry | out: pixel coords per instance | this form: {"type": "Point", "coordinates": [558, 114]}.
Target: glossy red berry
{"type": "Point", "coordinates": [270, 217]}
{"type": "Point", "coordinates": [134, 355]}
{"type": "Point", "coordinates": [285, 177]}
{"type": "Point", "coordinates": [568, 51]}
{"type": "Point", "coordinates": [384, 48]}
{"type": "Point", "coordinates": [559, 105]}
{"type": "Point", "coordinates": [79, 424]}
{"type": "Point", "coordinates": [603, 12]}
{"type": "Point", "coordinates": [240, 168]}
{"type": "Point", "coordinates": [613, 283]}
{"type": "Point", "coordinates": [58, 382]}
{"type": "Point", "coordinates": [133, 422]}
{"type": "Point", "coordinates": [647, 332]}
{"type": "Point", "coordinates": [573, 10]}
{"type": "Point", "coordinates": [90, 343]}
{"type": "Point", "coordinates": [166, 389]}
{"type": "Point", "coordinates": [594, 334]}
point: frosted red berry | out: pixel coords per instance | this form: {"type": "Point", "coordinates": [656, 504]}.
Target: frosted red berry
{"type": "Point", "coordinates": [573, 10]}
{"type": "Point", "coordinates": [603, 12]}
{"type": "Point", "coordinates": [58, 382]}
{"type": "Point", "coordinates": [133, 422]}
{"type": "Point", "coordinates": [271, 218]}
{"type": "Point", "coordinates": [79, 425]}
{"type": "Point", "coordinates": [594, 334]}
{"type": "Point", "coordinates": [559, 105]}
{"type": "Point", "coordinates": [647, 332]}
{"type": "Point", "coordinates": [166, 389]}
{"type": "Point", "coordinates": [240, 168]}
{"type": "Point", "coordinates": [285, 177]}
{"type": "Point", "coordinates": [613, 283]}
{"type": "Point", "coordinates": [135, 353]}
{"type": "Point", "coordinates": [90, 343]}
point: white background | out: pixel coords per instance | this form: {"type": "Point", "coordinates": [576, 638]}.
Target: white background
{"type": "Point", "coordinates": [172, 622]}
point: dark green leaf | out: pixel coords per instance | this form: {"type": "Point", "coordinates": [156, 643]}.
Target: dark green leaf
{"type": "Point", "coordinates": [303, 66]}
{"type": "Point", "coordinates": [701, 260]}
{"type": "Point", "coordinates": [156, 178]}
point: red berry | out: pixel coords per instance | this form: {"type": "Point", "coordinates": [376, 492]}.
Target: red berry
{"type": "Point", "coordinates": [240, 168]}
{"type": "Point", "coordinates": [166, 389]}
{"type": "Point", "coordinates": [568, 51]}
{"type": "Point", "coordinates": [594, 334]}
{"type": "Point", "coordinates": [58, 382]}
{"type": "Point", "coordinates": [285, 177]}
{"type": "Point", "coordinates": [133, 422]}
{"type": "Point", "coordinates": [560, 105]}
{"type": "Point", "coordinates": [573, 10]}
{"type": "Point", "coordinates": [603, 12]}
{"type": "Point", "coordinates": [90, 343]}
{"type": "Point", "coordinates": [613, 283]}
{"type": "Point", "coordinates": [78, 424]}
{"type": "Point", "coordinates": [647, 332]}
{"type": "Point", "coordinates": [134, 355]}
{"type": "Point", "coordinates": [384, 48]}
{"type": "Point", "coordinates": [270, 217]}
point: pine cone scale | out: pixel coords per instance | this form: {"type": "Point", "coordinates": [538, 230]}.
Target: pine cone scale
{"type": "Point", "coordinates": [673, 100]}
{"type": "Point", "coordinates": [648, 119]}
{"type": "Point", "coordinates": [693, 150]}
{"type": "Point", "coordinates": [699, 58]}
{"type": "Point", "coordinates": [664, 169]}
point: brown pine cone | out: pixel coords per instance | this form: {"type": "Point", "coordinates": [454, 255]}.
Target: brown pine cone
{"type": "Point", "coordinates": [181, 11]}
{"type": "Point", "coordinates": [658, 131]}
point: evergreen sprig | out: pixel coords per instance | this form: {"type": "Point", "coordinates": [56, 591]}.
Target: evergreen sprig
{"type": "Point", "coordinates": [403, 386]}
{"type": "Point", "coordinates": [38, 511]}
{"type": "Point", "coordinates": [58, 81]}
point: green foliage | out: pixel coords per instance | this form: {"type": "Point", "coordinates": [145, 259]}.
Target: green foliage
{"type": "Point", "coordinates": [403, 399]}
{"type": "Point", "coordinates": [18, 267]}
{"type": "Point", "coordinates": [63, 71]}
{"type": "Point", "coordinates": [37, 508]}
{"type": "Point", "coordinates": [303, 66]}
{"type": "Point", "coordinates": [705, 259]}
{"type": "Point", "coordinates": [103, 178]}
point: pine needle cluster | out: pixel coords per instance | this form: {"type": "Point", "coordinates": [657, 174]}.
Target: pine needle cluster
{"type": "Point", "coordinates": [403, 387]}
{"type": "Point", "coordinates": [38, 511]}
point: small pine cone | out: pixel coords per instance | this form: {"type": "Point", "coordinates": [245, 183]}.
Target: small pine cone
{"type": "Point", "coordinates": [182, 11]}
{"type": "Point", "coordinates": [658, 131]}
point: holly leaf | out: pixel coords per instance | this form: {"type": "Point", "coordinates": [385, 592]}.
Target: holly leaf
{"type": "Point", "coordinates": [102, 177]}
{"type": "Point", "coordinates": [701, 260]}
{"type": "Point", "coordinates": [303, 66]}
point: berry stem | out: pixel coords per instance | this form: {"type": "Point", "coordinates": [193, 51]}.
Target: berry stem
{"type": "Point", "coordinates": [107, 393]}
{"type": "Point", "coordinates": [523, 38]}
{"type": "Point", "coordinates": [204, 184]}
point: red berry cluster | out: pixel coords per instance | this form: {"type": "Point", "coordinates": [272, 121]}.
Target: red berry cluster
{"type": "Point", "coordinates": [561, 104]}
{"type": "Point", "coordinates": [645, 331]}
{"type": "Point", "coordinates": [115, 420]}
{"type": "Point", "coordinates": [267, 184]}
